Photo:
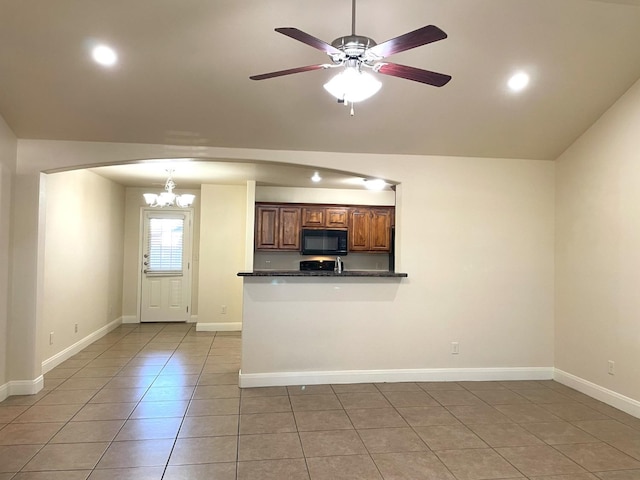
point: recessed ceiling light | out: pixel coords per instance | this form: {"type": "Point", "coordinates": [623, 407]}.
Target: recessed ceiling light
{"type": "Point", "coordinates": [316, 177]}
{"type": "Point", "coordinates": [375, 184]}
{"type": "Point", "coordinates": [104, 55]}
{"type": "Point", "coordinates": [518, 81]}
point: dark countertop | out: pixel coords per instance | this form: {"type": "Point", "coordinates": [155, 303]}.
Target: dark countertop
{"type": "Point", "coordinates": [320, 273]}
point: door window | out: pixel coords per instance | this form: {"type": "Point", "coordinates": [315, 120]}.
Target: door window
{"type": "Point", "coordinates": [165, 246]}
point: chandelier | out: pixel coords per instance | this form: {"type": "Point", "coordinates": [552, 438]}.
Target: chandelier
{"type": "Point", "coordinates": [168, 198]}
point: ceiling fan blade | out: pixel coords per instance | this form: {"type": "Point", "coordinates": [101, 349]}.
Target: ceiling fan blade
{"type": "Point", "coordinates": [415, 74]}
{"type": "Point", "coordinates": [289, 71]}
{"type": "Point", "coordinates": [421, 36]}
{"type": "Point", "coordinates": [308, 39]}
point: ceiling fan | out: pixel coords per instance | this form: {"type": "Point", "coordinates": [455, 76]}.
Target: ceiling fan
{"type": "Point", "coordinates": [356, 53]}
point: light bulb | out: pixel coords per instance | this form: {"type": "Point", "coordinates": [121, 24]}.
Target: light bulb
{"type": "Point", "coordinates": [518, 82]}
{"type": "Point", "coordinates": [150, 198]}
{"type": "Point", "coordinates": [353, 85]}
{"type": "Point", "coordinates": [104, 55]}
{"type": "Point", "coordinates": [185, 200]}
{"type": "Point", "coordinates": [375, 184]}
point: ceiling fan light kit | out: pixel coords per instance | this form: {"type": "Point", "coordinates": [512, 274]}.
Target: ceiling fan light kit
{"type": "Point", "coordinates": [352, 85]}
{"type": "Point", "coordinates": [355, 52]}
{"type": "Point", "coordinates": [168, 198]}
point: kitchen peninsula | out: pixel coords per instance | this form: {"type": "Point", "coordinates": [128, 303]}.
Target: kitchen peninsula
{"type": "Point", "coordinates": [303, 322]}
{"type": "Point", "coordinates": [304, 328]}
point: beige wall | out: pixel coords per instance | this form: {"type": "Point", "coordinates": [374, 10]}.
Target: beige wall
{"type": "Point", "coordinates": [598, 251]}
{"type": "Point", "coordinates": [476, 237]}
{"type": "Point", "coordinates": [83, 257]}
{"type": "Point", "coordinates": [222, 252]}
{"type": "Point", "coordinates": [325, 195]}
{"type": "Point", "coordinates": [8, 151]}
{"type": "Point", "coordinates": [130, 287]}
{"type": "Point", "coordinates": [474, 234]}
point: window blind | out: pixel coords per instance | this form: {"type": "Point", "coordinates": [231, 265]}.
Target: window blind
{"type": "Point", "coordinates": [165, 246]}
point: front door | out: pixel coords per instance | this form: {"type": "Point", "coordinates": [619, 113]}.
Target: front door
{"type": "Point", "coordinates": [166, 266]}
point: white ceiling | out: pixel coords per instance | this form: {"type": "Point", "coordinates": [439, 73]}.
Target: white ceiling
{"type": "Point", "coordinates": [182, 77]}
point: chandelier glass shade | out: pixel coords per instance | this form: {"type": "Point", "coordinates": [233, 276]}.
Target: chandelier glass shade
{"type": "Point", "coordinates": [168, 198]}
{"type": "Point", "coordinates": [353, 85]}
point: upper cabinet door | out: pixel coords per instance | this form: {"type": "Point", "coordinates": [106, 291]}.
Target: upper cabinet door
{"type": "Point", "coordinates": [359, 229]}
{"type": "Point", "coordinates": [289, 228]}
{"type": "Point", "coordinates": [380, 233]}
{"type": "Point", "coordinates": [267, 226]}
{"type": "Point", "coordinates": [337, 217]}
{"type": "Point", "coordinates": [313, 216]}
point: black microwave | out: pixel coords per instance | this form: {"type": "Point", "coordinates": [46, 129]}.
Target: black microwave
{"type": "Point", "coordinates": [324, 242]}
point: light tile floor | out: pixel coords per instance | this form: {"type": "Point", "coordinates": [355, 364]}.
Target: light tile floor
{"type": "Point", "coordinates": [160, 401]}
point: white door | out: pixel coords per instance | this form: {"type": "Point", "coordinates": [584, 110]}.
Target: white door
{"type": "Point", "coordinates": [166, 266]}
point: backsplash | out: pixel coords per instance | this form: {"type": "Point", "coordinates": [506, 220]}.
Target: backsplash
{"type": "Point", "coordinates": [291, 261]}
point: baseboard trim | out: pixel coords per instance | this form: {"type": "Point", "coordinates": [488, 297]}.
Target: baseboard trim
{"type": "Point", "coordinates": [130, 319]}
{"type": "Point", "coordinates": [21, 387]}
{"type": "Point", "coordinates": [219, 327]}
{"type": "Point", "coordinates": [617, 400]}
{"type": "Point", "coordinates": [394, 376]}
{"type": "Point", "coordinates": [67, 353]}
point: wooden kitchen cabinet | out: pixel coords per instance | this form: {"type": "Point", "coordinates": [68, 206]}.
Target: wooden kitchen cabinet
{"type": "Point", "coordinates": [370, 229]}
{"type": "Point", "coordinates": [324, 217]}
{"type": "Point", "coordinates": [277, 228]}
{"type": "Point", "coordinates": [313, 216]}
{"type": "Point", "coordinates": [337, 217]}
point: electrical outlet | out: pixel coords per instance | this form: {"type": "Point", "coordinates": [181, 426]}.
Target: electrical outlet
{"type": "Point", "coordinates": [51, 338]}
{"type": "Point", "coordinates": [455, 348]}
{"type": "Point", "coordinates": [611, 368]}
{"type": "Point", "coordinates": [75, 328]}
{"type": "Point", "coordinates": [223, 309]}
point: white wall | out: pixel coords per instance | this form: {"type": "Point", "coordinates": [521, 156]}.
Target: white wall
{"type": "Point", "coordinates": [222, 254]}
{"type": "Point", "coordinates": [83, 258]}
{"type": "Point", "coordinates": [134, 202]}
{"type": "Point", "coordinates": [598, 251]}
{"type": "Point", "coordinates": [8, 152]}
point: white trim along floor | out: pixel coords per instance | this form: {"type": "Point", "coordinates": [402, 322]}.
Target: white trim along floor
{"type": "Point", "coordinates": [161, 401]}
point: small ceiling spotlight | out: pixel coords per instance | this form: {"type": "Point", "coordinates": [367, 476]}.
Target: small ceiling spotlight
{"type": "Point", "coordinates": [316, 177]}
{"type": "Point", "coordinates": [104, 55]}
{"type": "Point", "coordinates": [375, 184]}
{"type": "Point", "coordinates": [518, 82]}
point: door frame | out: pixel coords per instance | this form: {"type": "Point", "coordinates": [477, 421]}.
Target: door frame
{"type": "Point", "coordinates": [188, 251]}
